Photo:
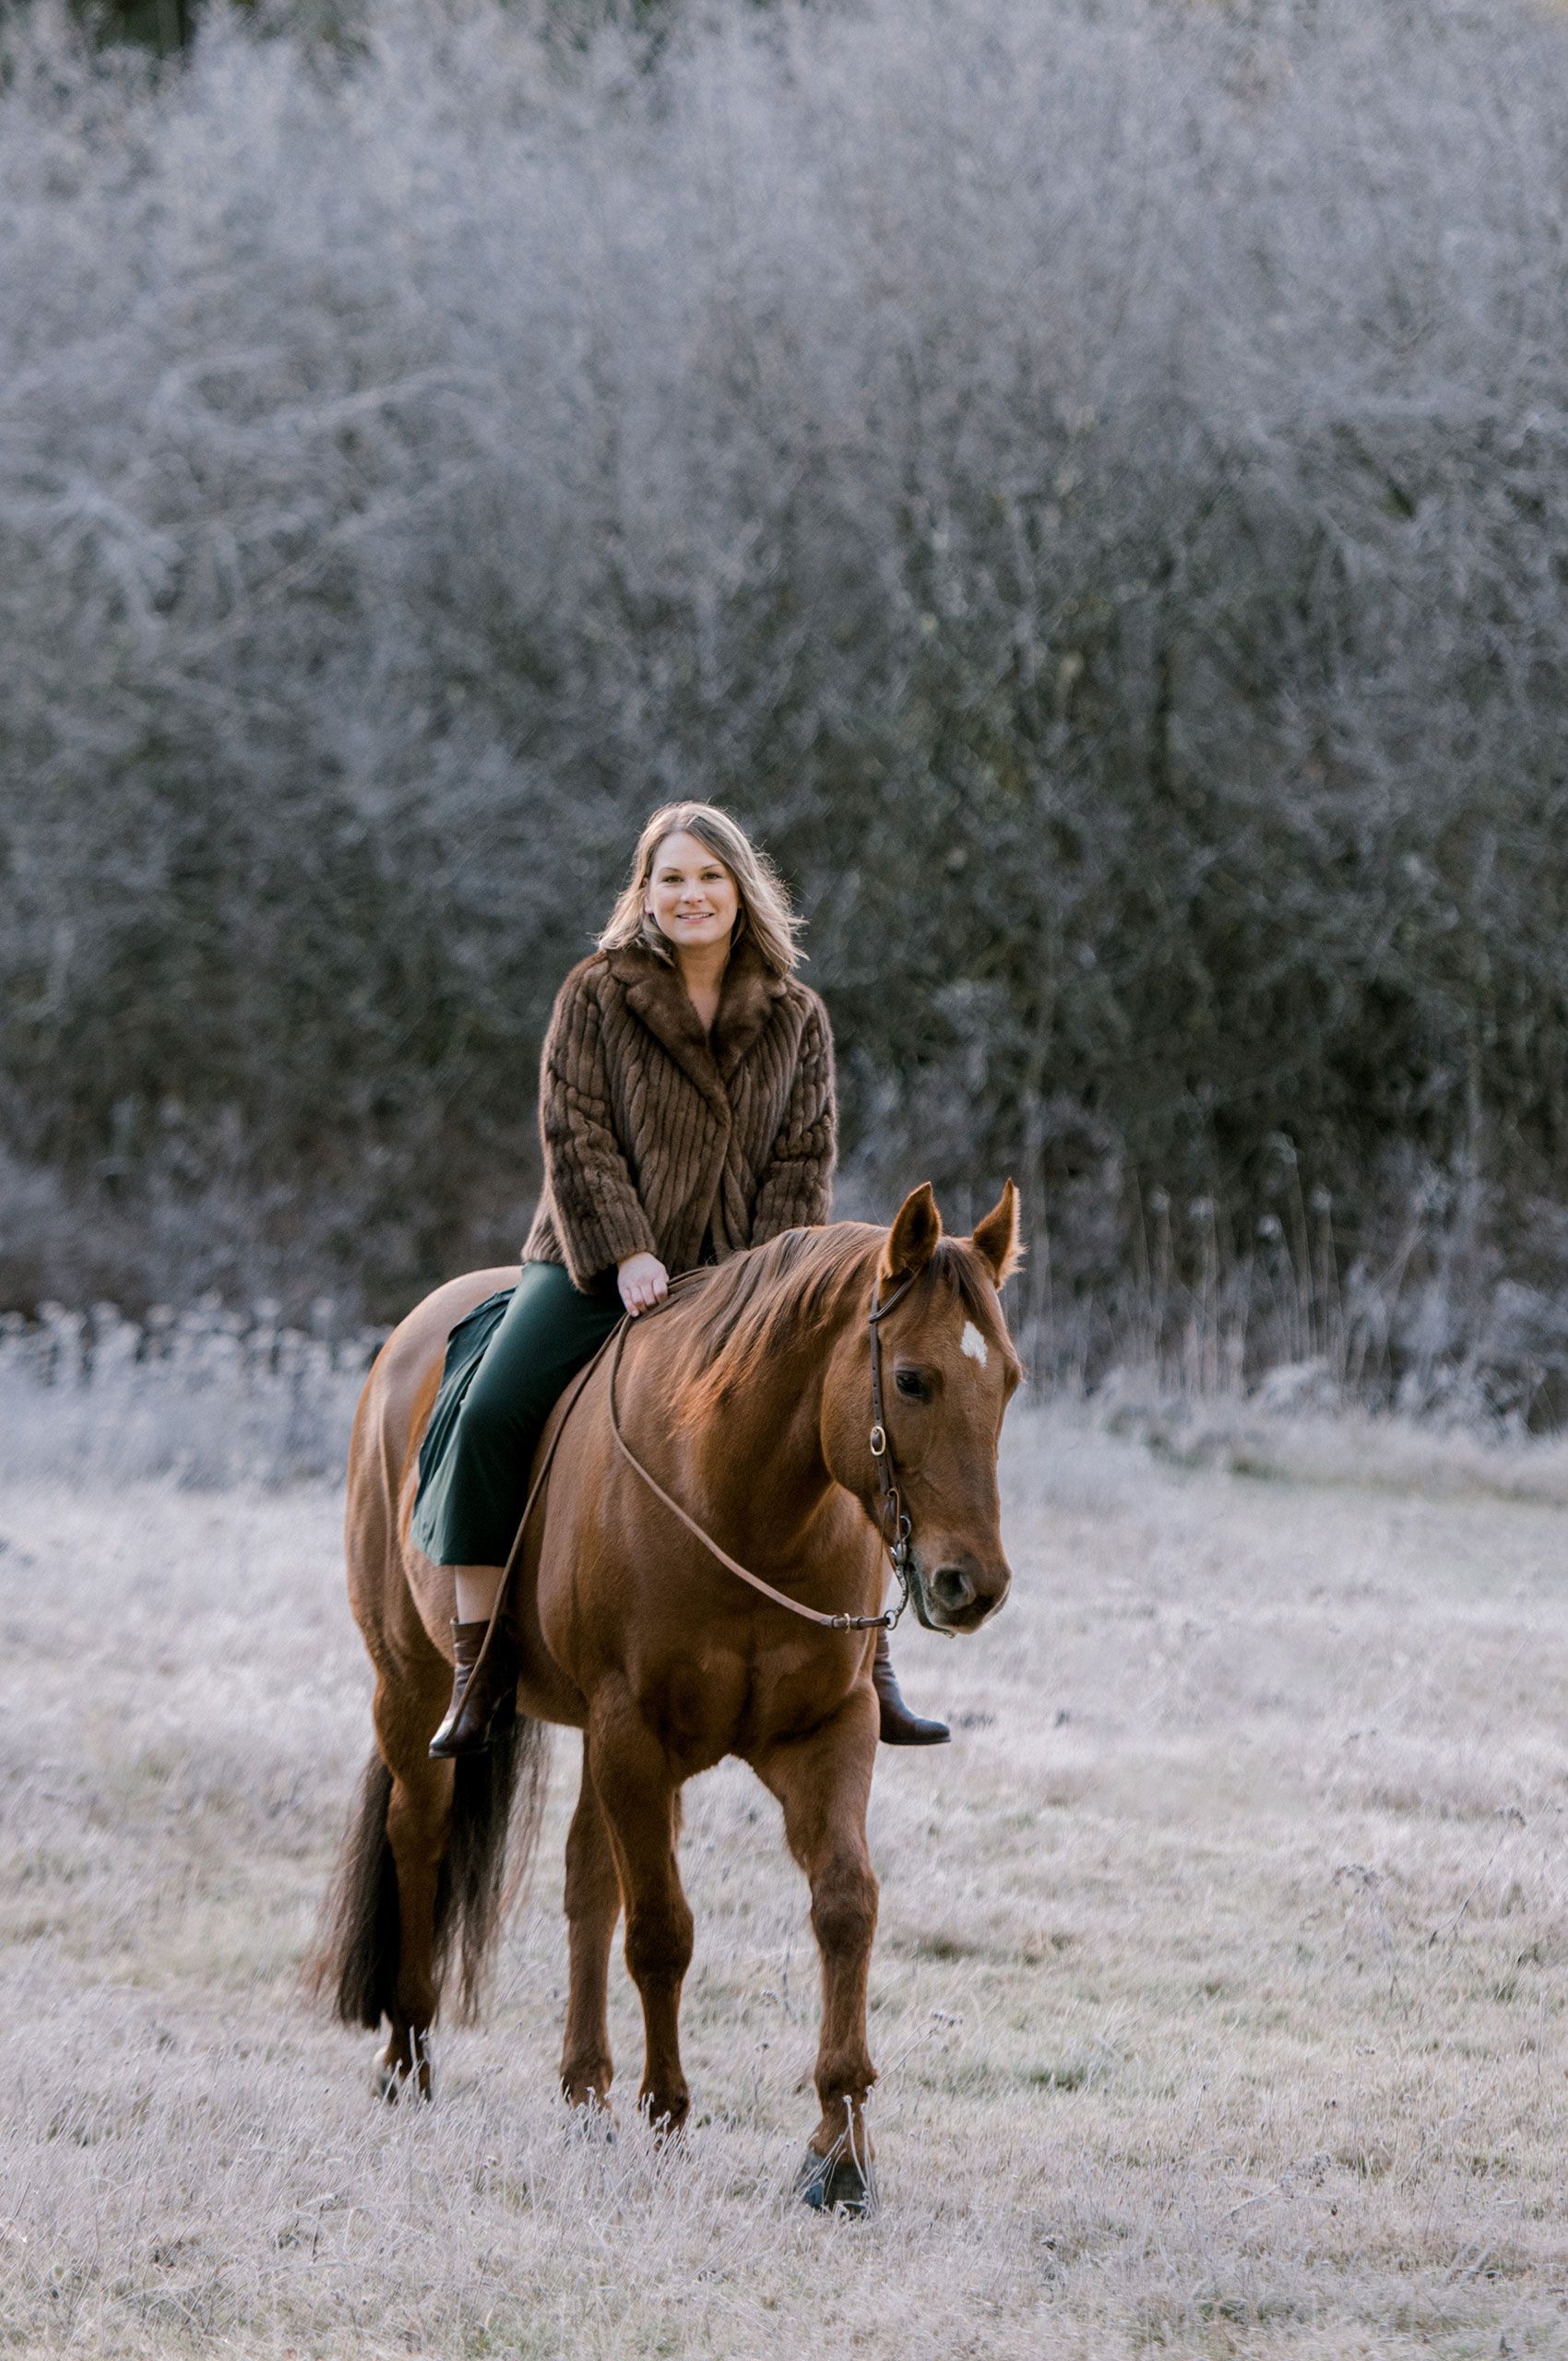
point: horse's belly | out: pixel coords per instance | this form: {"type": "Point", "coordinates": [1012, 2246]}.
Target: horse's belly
{"type": "Point", "coordinates": [545, 1693]}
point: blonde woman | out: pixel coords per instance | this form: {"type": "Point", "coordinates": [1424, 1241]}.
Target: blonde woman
{"type": "Point", "coordinates": [686, 1108]}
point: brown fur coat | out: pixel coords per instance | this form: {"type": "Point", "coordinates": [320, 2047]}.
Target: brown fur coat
{"type": "Point", "coordinates": [654, 1131]}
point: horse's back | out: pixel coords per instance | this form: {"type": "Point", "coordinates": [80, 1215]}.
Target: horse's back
{"type": "Point", "coordinates": [400, 1390]}
{"type": "Point", "coordinates": [394, 1410]}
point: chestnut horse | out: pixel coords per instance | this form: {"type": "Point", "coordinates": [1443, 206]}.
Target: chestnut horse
{"type": "Point", "coordinates": [748, 1397]}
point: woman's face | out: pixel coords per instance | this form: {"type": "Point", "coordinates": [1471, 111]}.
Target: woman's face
{"type": "Point", "coordinates": [691, 895]}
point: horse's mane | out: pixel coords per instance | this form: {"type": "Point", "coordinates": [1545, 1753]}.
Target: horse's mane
{"type": "Point", "coordinates": [769, 1295]}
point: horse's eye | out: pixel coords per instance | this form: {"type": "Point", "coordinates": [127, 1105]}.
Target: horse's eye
{"type": "Point", "coordinates": [911, 1384]}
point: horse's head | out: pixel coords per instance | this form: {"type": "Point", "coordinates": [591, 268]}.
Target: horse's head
{"type": "Point", "coordinates": [948, 1371]}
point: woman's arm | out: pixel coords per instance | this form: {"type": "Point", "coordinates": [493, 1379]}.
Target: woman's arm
{"type": "Point", "coordinates": [598, 1214]}
{"type": "Point", "coordinates": [796, 1186]}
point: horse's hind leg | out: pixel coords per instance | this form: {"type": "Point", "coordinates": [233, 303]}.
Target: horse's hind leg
{"type": "Point", "coordinates": [639, 1797]}
{"type": "Point", "coordinates": [418, 1816]}
{"type": "Point", "coordinates": [823, 1782]}
{"type": "Point", "coordinates": [593, 1905]}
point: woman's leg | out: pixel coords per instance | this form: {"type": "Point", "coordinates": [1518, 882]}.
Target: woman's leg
{"type": "Point", "coordinates": [476, 1587]}
{"type": "Point", "coordinates": [468, 1510]}
{"type": "Point", "coordinates": [470, 1520]}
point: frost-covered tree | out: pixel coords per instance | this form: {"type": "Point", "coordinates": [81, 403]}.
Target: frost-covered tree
{"type": "Point", "coordinates": [1084, 482]}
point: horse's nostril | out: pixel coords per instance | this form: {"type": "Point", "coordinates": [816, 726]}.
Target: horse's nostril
{"type": "Point", "coordinates": [952, 1588]}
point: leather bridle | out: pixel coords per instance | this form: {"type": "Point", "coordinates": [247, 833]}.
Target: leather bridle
{"type": "Point", "coordinates": [896, 1529]}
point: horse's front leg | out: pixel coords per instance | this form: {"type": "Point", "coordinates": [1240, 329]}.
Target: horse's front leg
{"type": "Point", "coordinates": [823, 1784]}
{"type": "Point", "coordinates": [638, 1794]}
{"type": "Point", "coordinates": [593, 1905]}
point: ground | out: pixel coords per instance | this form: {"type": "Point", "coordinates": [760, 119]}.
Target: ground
{"type": "Point", "coordinates": [1218, 1998]}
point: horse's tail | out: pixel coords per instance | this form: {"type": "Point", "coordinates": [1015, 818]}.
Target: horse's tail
{"type": "Point", "coordinates": [355, 1964]}
{"type": "Point", "coordinates": [489, 1846]}
{"type": "Point", "coordinates": [497, 1811]}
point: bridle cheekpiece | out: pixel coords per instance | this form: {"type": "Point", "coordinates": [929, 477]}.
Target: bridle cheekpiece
{"type": "Point", "coordinates": [891, 1513]}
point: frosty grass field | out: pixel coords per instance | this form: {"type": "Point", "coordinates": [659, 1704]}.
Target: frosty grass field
{"type": "Point", "coordinates": [1220, 1995]}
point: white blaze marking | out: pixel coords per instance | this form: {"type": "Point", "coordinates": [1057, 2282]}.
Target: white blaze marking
{"type": "Point", "coordinates": [974, 1344]}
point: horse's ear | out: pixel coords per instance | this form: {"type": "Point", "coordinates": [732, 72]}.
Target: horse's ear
{"type": "Point", "coordinates": [996, 1238]}
{"type": "Point", "coordinates": [911, 1241]}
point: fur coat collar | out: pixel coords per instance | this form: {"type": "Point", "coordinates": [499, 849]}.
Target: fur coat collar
{"type": "Point", "coordinates": [748, 994]}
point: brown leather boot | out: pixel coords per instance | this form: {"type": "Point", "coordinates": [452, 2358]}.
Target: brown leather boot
{"type": "Point", "coordinates": [899, 1726]}
{"type": "Point", "coordinates": [471, 1713]}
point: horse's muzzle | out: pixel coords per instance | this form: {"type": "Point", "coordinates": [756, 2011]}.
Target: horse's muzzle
{"type": "Point", "coordinates": [959, 1591]}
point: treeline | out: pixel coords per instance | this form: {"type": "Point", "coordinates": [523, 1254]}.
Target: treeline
{"type": "Point", "coordinates": [168, 27]}
{"type": "Point", "coordinates": [1085, 482]}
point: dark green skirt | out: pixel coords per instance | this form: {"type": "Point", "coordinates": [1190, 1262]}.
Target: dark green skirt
{"type": "Point", "coordinates": [507, 1364]}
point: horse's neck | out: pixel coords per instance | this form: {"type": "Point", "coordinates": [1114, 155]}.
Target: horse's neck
{"type": "Point", "coordinates": [761, 1456]}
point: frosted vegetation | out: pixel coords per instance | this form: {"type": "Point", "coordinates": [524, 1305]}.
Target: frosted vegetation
{"type": "Point", "coordinates": [1084, 480]}
{"type": "Point", "coordinates": [211, 1398]}
{"type": "Point", "coordinates": [207, 1396]}
{"type": "Point", "coordinates": [1217, 1995]}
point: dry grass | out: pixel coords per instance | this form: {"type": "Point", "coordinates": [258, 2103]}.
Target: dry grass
{"type": "Point", "coordinates": [1218, 1998]}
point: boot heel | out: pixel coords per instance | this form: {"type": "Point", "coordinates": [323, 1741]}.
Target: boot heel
{"type": "Point", "coordinates": [469, 1716]}
{"type": "Point", "coordinates": [899, 1726]}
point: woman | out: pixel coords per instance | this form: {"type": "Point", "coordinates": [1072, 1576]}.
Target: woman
{"type": "Point", "coordinates": [687, 1110]}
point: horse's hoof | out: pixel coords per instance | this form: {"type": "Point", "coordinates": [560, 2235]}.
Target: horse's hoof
{"type": "Point", "coordinates": [836, 2184]}
{"type": "Point", "coordinates": [592, 2122]}
{"type": "Point", "coordinates": [394, 2082]}
{"type": "Point", "coordinates": [668, 2125]}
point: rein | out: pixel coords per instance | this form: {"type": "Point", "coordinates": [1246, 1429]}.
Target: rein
{"type": "Point", "coordinates": [895, 1524]}
{"type": "Point", "coordinates": [893, 1518]}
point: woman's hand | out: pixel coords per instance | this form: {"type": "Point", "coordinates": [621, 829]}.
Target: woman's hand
{"type": "Point", "coordinates": [642, 1279]}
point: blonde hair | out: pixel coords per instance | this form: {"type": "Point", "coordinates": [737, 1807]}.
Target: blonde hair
{"type": "Point", "coordinates": [765, 912]}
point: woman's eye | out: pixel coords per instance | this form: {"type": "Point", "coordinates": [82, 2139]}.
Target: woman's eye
{"type": "Point", "coordinates": [910, 1382]}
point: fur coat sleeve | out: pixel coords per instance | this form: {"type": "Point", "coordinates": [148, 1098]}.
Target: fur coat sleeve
{"type": "Point", "coordinates": [795, 1186]}
{"type": "Point", "coordinates": [599, 1215]}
